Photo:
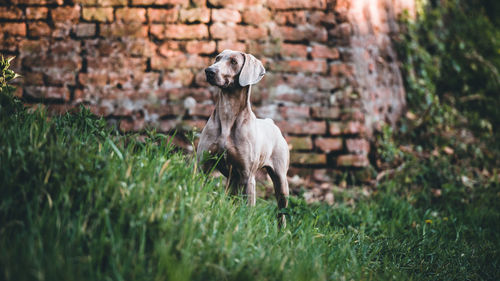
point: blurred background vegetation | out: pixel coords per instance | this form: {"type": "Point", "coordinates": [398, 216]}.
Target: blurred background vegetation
{"type": "Point", "coordinates": [451, 60]}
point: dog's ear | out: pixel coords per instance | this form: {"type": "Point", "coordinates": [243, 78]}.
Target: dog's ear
{"type": "Point", "coordinates": [252, 71]}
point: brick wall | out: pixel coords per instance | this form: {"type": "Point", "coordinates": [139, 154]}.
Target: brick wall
{"type": "Point", "coordinates": [331, 71]}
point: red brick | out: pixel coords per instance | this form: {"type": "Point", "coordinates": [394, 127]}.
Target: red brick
{"type": "Point", "coordinates": [335, 128]}
{"type": "Point", "coordinates": [315, 66]}
{"type": "Point", "coordinates": [177, 77]}
{"type": "Point", "coordinates": [268, 49]}
{"type": "Point", "coordinates": [66, 13]}
{"type": "Point", "coordinates": [29, 47]}
{"type": "Point", "coordinates": [324, 52]}
{"type": "Point", "coordinates": [51, 65]}
{"type": "Point", "coordinates": [199, 3]}
{"type": "Point", "coordinates": [38, 28]}
{"type": "Point", "coordinates": [140, 47]}
{"type": "Point", "coordinates": [341, 69]}
{"type": "Point", "coordinates": [351, 160]}
{"type": "Point", "coordinates": [66, 48]}
{"type": "Point", "coordinates": [165, 109]}
{"type": "Point", "coordinates": [321, 18]}
{"type": "Point", "coordinates": [47, 93]}
{"type": "Point", "coordinates": [330, 82]}
{"type": "Point", "coordinates": [353, 127]}
{"type": "Point", "coordinates": [230, 45]}
{"type": "Point", "coordinates": [94, 79]}
{"type": "Point", "coordinates": [59, 76]}
{"type": "Point", "coordinates": [203, 110]}
{"type": "Point", "coordinates": [235, 4]}
{"type": "Point", "coordinates": [37, 2]}
{"type": "Point", "coordinates": [328, 19]}
{"type": "Point", "coordinates": [34, 78]}
{"type": "Point", "coordinates": [120, 29]}
{"type": "Point", "coordinates": [358, 146]}
{"type": "Point", "coordinates": [167, 125]}
{"type": "Point", "coordinates": [290, 18]}
{"type": "Point", "coordinates": [62, 29]}
{"type": "Point", "coordinates": [304, 128]}
{"type": "Point", "coordinates": [195, 15]}
{"type": "Point", "coordinates": [9, 43]}
{"type": "Point", "coordinates": [328, 144]}
{"type": "Point", "coordinates": [294, 50]}
{"type": "Point", "coordinates": [248, 32]}
{"type": "Point", "coordinates": [296, 4]}
{"type": "Point", "coordinates": [199, 94]}
{"type": "Point", "coordinates": [300, 33]}
{"type": "Point", "coordinates": [223, 31]}
{"type": "Point", "coordinates": [179, 60]}
{"type": "Point", "coordinates": [36, 13]}
{"type": "Point", "coordinates": [98, 110]}
{"type": "Point", "coordinates": [131, 14]}
{"type": "Point", "coordinates": [163, 15]}
{"type": "Point", "coordinates": [85, 30]}
{"type": "Point", "coordinates": [342, 33]}
{"type": "Point", "coordinates": [325, 112]}
{"type": "Point", "coordinates": [169, 48]}
{"type": "Point", "coordinates": [307, 158]}
{"type": "Point", "coordinates": [200, 79]}
{"type": "Point", "coordinates": [127, 125]}
{"type": "Point", "coordinates": [101, 3]}
{"type": "Point", "coordinates": [256, 15]}
{"type": "Point", "coordinates": [299, 143]}
{"type": "Point", "coordinates": [200, 47]}
{"type": "Point", "coordinates": [179, 31]}
{"type": "Point", "coordinates": [353, 114]}
{"type": "Point", "coordinates": [97, 14]}
{"type": "Point", "coordinates": [292, 112]}
{"type": "Point", "coordinates": [13, 28]}
{"type": "Point", "coordinates": [116, 65]}
{"type": "Point", "coordinates": [182, 3]}
{"type": "Point", "coordinates": [11, 13]}
{"type": "Point", "coordinates": [226, 15]}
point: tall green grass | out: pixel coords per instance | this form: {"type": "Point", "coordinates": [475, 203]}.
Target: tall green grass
{"type": "Point", "coordinates": [80, 202]}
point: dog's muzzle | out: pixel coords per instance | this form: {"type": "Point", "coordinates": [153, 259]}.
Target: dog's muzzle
{"type": "Point", "coordinates": [210, 73]}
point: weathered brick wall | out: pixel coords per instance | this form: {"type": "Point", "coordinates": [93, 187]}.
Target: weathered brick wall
{"type": "Point", "coordinates": [331, 70]}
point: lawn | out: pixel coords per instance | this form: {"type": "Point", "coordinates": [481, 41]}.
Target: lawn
{"type": "Point", "coordinates": [82, 202]}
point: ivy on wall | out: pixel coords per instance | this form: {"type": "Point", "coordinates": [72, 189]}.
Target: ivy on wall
{"type": "Point", "coordinates": [451, 60]}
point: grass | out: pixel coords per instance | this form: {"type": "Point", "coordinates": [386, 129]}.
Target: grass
{"type": "Point", "coordinates": [80, 202]}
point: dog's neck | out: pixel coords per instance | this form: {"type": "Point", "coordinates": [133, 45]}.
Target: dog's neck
{"type": "Point", "coordinates": [232, 106]}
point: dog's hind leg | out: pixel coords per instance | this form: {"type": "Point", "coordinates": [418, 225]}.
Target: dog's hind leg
{"type": "Point", "coordinates": [281, 191]}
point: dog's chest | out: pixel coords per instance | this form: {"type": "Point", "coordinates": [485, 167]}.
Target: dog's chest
{"type": "Point", "coordinates": [220, 146]}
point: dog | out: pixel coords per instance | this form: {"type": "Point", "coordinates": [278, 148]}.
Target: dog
{"type": "Point", "coordinates": [246, 143]}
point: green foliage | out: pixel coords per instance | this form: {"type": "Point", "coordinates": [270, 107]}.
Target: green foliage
{"type": "Point", "coordinates": [445, 155]}
{"type": "Point", "coordinates": [451, 67]}
{"type": "Point", "coordinates": [6, 74]}
{"type": "Point", "coordinates": [7, 103]}
{"type": "Point", "coordinates": [79, 202]}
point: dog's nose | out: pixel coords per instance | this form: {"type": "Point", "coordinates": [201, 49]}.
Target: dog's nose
{"type": "Point", "coordinates": [210, 72]}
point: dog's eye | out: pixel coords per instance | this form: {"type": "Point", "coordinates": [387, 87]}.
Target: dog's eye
{"type": "Point", "coordinates": [217, 59]}
{"type": "Point", "coordinates": [233, 61]}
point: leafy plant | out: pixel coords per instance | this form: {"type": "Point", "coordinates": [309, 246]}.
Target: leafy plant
{"type": "Point", "coordinates": [451, 66]}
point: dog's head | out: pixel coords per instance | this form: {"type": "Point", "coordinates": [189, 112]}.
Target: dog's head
{"type": "Point", "coordinates": [234, 69]}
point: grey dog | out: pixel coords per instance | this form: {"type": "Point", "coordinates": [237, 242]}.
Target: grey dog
{"type": "Point", "coordinates": [246, 142]}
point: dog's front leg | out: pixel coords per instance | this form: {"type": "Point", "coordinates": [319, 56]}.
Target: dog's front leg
{"type": "Point", "coordinates": [250, 190]}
